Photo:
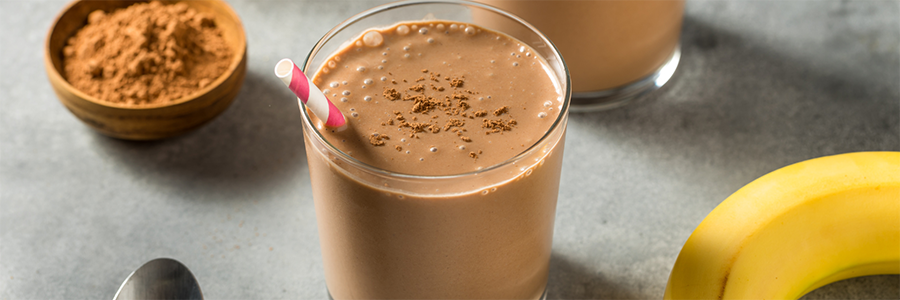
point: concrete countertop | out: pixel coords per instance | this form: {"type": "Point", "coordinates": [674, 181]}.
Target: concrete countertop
{"type": "Point", "coordinates": [761, 84]}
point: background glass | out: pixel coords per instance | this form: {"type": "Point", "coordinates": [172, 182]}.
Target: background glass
{"type": "Point", "coordinates": [616, 50]}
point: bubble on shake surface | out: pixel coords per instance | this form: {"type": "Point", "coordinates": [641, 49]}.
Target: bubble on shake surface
{"type": "Point", "coordinates": [402, 29]}
{"type": "Point", "coordinates": [542, 115]}
{"type": "Point", "coordinates": [433, 149]}
{"type": "Point", "coordinates": [368, 81]}
{"type": "Point", "coordinates": [548, 104]}
{"type": "Point", "coordinates": [373, 39]}
{"type": "Point", "coordinates": [335, 84]}
{"type": "Point", "coordinates": [423, 31]}
{"type": "Point", "coordinates": [361, 69]}
{"type": "Point", "coordinates": [470, 30]}
{"type": "Point", "coordinates": [367, 98]}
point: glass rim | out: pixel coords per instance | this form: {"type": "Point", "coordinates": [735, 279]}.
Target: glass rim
{"type": "Point", "coordinates": [384, 7]}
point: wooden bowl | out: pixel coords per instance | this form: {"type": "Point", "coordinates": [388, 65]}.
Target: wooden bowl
{"type": "Point", "coordinates": [150, 121]}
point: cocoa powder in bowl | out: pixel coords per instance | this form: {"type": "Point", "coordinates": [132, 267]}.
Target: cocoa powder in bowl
{"type": "Point", "coordinates": [146, 54]}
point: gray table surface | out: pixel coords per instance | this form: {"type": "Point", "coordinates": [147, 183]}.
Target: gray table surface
{"type": "Point", "coordinates": [762, 84]}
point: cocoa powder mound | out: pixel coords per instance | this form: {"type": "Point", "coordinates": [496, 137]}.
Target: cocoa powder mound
{"type": "Point", "coordinates": [147, 53]}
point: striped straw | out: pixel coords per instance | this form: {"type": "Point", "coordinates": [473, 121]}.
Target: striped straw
{"type": "Point", "coordinates": [308, 93]}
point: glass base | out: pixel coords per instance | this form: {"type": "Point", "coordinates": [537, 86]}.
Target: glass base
{"type": "Point", "coordinates": [616, 97]}
{"type": "Point", "coordinates": [543, 295]}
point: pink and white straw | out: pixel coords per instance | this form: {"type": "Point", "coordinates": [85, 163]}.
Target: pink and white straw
{"type": "Point", "coordinates": [308, 93]}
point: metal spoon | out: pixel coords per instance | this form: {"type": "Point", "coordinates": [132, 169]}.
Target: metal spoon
{"type": "Point", "coordinates": [161, 278]}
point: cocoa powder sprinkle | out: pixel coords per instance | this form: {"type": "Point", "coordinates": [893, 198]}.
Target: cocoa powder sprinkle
{"type": "Point", "coordinates": [377, 139]}
{"type": "Point", "coordinates": [454, 123]}
{"type": "Point", "coordinates": [391, 94]}
{"type": "Point", "coordinates": [501, 110]}
{"type": "Point", "coordinates": [498, 125]}
{"type": "Point", "coordinates": [417, 88]}
{"type": "Point", "coordinates": [423, 104]}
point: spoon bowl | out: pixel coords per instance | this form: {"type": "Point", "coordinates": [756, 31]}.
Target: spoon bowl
{"type": "Point", "coordinates": [161, 278]}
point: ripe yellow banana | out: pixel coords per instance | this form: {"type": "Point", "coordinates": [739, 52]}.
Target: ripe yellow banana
{"type": "Point", "coordinates": [796, 229]}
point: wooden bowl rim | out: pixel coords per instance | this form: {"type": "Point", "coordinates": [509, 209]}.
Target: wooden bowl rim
{"type": "Point", "coordinates": [237, 60]}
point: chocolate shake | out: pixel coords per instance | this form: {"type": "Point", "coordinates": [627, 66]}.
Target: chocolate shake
{"type": "Point", "coordinates": [443, 183]}
{"type": "Point", "coordinates": [607, 44]}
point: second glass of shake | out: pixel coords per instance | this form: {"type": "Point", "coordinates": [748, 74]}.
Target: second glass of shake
{"type": "Point", "coordinates": [617, 50]}
{"type": "Point", "coordinates": [444, 181]}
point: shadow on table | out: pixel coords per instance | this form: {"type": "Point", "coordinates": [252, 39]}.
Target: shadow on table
{"type": "Point", "coordinates": [254, 144]}
{"type": "Point", "coordinates": [739, 102]}
{"type": "Point", "coordinates": [569, 280]}
{"type": "Point", "coordinates": [866, 287]}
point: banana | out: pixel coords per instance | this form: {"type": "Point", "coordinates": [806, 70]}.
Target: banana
{"type": "Point", "coordinates": [796, 229]}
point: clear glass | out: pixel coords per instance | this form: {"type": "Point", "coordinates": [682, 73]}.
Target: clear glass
{"type": "Point", "coordinates": [617, 50]}
{"type": "Point", "coordinates": [483, 234]}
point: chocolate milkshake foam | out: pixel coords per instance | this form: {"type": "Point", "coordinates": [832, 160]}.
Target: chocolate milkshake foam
{"type": "Point", "coordinates": [438, 98]}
